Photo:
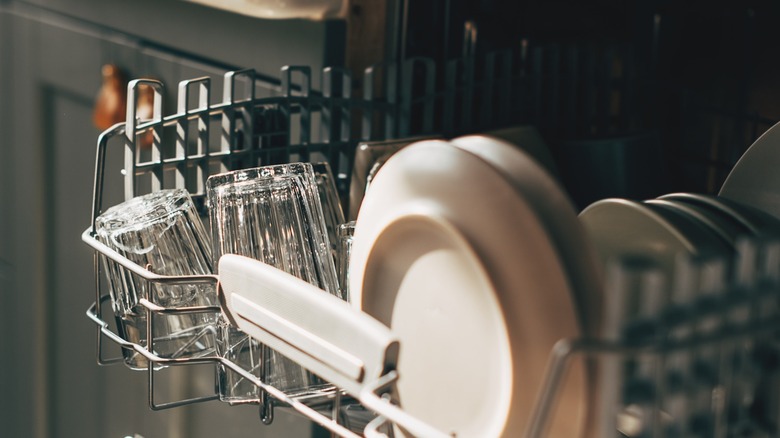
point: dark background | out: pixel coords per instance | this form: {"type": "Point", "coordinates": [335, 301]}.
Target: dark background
{"type": "Point", "coordinates": [704, 72]}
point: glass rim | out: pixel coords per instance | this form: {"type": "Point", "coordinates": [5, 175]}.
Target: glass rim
{"type": "Point", "coordinates": [261, 173]}
{"type": "Point", "coordinates": [143, 210]}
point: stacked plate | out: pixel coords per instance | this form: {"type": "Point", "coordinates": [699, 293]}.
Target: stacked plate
{"type": "Point", "coordinates": [653, 234]}
{"type": "Point", "coordinates": [660, 230]}
{"type": "Point", "coordinates": [654, 229]}
{"type": "Point", "coordinates": [473, 255]}
{"type": "Point", "coordinates": [747, 205]}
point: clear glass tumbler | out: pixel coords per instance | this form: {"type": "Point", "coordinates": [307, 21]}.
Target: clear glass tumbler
{"type": "Point", "coordinates": [344, 251]}
{"type": "Point", "coordinates": [331, 204]}
{"type": "Point", "coordinates": [162, 232]}
{"type": "Point", "coordinates": [273, 214]}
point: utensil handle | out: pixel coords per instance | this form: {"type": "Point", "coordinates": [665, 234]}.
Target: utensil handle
{"type": "Point", "coordinates": [320, 331]}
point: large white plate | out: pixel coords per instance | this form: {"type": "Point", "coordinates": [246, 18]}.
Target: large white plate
{"type": "Point", "coordinates": [460, 266]}
{"type": "Point", "coordinates": [532, 180]}
{"type": "Point", "coordinates": [369, 157]}
{"type": "Point", "coordinates": [527, 138]}
{"type": "Point", "coordinates": [754, 180]}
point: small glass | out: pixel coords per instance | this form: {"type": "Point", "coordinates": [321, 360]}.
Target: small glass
{"type": "Point", "coordinates": [162, 232]}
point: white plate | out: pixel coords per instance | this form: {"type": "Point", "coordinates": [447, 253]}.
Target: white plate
{"type": "Point", "coordinates": [620, 227]}
{"type": "Point", "coordinates": [754, 180]}
{"type": "Point", "coordinates": [726, 228]}
{"type": "Point", "coordinates": [538, 186]}
{"type": "Point", "coordinates": [527, 138]}
{"type": "Point", "coordinates": [369, 157]}
{"type": "Point", "coordinates": [756, 222]}
{"type": "Point", "coordinates": [460, 266]}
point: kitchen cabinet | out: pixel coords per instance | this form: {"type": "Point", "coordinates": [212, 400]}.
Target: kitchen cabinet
{"type": "Point", "coordinates": [51, 53]}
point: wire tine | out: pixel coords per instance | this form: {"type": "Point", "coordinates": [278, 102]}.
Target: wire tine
{"type": "Point", "coordinates": [373, 427]}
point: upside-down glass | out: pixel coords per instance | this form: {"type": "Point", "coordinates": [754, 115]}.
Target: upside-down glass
{"type": "Point", "coordinates": [273, 214]}
{"type": "Point", "coordinates": [162, 232]}
{"type": "Point", "coordinates": [331, 204]}
{"type": "Point", "coordinates": [344, 251]}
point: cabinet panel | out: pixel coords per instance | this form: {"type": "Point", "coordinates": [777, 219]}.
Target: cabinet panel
{"type": "Point", "coordinates": [26, 236]}
{"type": "Point", "coordinates": [7, 302]}
{"type": "Point", "coordinates": [74, 380]}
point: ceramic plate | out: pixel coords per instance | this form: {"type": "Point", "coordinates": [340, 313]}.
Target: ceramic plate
{"type": "Point", "coordinates": [754, 180]}
{"type": "Point", "coordinates": [369, 157]}
{"type": "Point", "coordinates": [461, 267]}
{"type": "Point", "coordinates": [620, 227]}
{"type": "Point", "coordinates": [538, 186]}
{"type": "Point", "coordinates": [528, 139]}
{"type": "Point", "coordinates": [755, 221]}
{"type": "Point", "coordinates": [728, 229]}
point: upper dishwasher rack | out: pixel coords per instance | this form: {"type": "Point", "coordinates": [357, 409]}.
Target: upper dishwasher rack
{"type": "Point", "coordinates": [299, 124]}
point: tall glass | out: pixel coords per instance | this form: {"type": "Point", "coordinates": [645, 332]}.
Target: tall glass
{"type": "Point", "coordinates": [273, 214]}
{"type": "Point", "coordinates": [162, 232]}
{"type": "Point", "coordinates": [344, 251]}
{"type": "Point", "coordinates": [331, 204]}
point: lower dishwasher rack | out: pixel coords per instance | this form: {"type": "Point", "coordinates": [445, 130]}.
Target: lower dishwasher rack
{"type": "Point", "coordinates": [182, 150]}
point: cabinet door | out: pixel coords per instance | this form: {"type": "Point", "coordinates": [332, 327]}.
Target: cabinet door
{"type": "Point", "coordinates": [8, 358]}
{"type": "Point", "coordinates": [46, 271]}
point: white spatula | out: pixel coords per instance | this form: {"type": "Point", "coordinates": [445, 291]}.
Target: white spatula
{"type": "Point", "coordinates": [310, 326]}
{"type": "Point", "coordinates": [323, 333]}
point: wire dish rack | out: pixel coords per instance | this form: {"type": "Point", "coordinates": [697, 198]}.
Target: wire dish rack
{"type": "Point", "coordinates": [688, 356]}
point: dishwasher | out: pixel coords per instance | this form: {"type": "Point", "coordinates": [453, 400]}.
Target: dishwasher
{"type": "Point", "coordinates": [699, 363]}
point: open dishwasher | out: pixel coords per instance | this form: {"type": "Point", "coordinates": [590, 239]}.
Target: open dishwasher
{"type": "Point", "coordinates": [629, 368]}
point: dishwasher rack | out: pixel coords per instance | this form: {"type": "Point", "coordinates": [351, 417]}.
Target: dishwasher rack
{"type": "Point", "coordinates": [244, 130]}
{"type": "Point", "coordinates": [181, 150]}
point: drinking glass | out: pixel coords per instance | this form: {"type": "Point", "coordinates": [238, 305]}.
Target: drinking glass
{"type": "Point", "coordinates": [273, 214]}
{"type": "Point", "coordinates": [345, 233]}
{"type": "Point", "coordinates": [162, 232]}
{"type": "Point", "coordinates": [331, 204]}
{"type": "Point", "coordinates": [244, 351]}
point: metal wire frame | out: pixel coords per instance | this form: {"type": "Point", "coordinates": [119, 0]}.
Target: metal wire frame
{"type": "Point", "coordinates": [398, 100]}
{"type": "Point", "coordinates": [405, 102]}
{"type": "Point", "coordinates": [237, 148]}
{"type": "Point", "coordinates": [657, 346]}
{"type": "Point", "coordinates": [93, 313]}
{"type": "Point", "coordinates": [239, 144]}
{"type": "Point", "coordinates": [374, 397]}
{"type": "Point", "coordinates": [155, 361]}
